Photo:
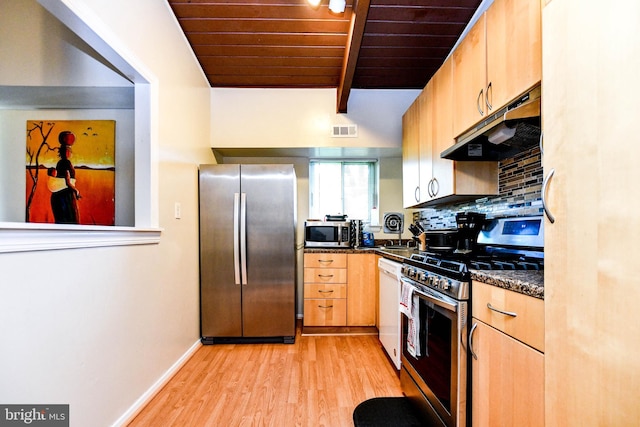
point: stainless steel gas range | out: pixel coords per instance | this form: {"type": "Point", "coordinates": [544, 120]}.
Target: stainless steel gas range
{"type": "Point", "coordinates": [436, 296]}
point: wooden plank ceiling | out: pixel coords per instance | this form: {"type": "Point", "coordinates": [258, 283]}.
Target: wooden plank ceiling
{"type": "Point", "coordinates": [374, 44]}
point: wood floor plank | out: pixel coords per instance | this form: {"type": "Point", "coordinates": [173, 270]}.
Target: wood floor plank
{"type": "Point", "coordinates": [317, 381]}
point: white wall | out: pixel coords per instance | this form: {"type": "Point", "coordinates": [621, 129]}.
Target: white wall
{"type": "Point", "coordinates": [96, 328]}
{"type": "Point", "coordinates": [303, 117]}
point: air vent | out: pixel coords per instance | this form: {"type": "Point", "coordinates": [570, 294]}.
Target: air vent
{"type": "Point", "coordinates": [344, 131]}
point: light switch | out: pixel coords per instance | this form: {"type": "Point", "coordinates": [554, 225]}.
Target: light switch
{"type": "Point", "coordinates": [177, 210]}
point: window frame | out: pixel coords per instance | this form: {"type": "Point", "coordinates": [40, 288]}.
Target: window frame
{"type": "Point", "coordinates": [373, 185]}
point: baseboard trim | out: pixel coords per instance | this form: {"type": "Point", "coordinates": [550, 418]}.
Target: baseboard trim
{"type": "Point", "coordinates": [139, 404]}
{"type": "Point", "coordinates": [338, 330]}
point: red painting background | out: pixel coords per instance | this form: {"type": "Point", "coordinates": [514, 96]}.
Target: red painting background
{"type": "Point", "coordinates": [96, 207]}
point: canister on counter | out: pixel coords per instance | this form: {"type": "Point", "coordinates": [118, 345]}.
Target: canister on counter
{"type": "Point", "coordinates": [367, 239]}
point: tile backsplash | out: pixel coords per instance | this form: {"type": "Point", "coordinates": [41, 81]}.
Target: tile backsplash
{"type": "Point", "coordinates": [519, 187]}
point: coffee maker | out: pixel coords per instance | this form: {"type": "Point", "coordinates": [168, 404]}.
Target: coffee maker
{"type": "Point", "coordinates": [469, 225]}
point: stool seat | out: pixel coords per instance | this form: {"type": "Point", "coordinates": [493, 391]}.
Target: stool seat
{"type": "Point", "coordinates": [386, 412]}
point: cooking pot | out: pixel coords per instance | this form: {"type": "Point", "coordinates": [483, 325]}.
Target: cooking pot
{"type": "Point", "coordinates": [443, 240]}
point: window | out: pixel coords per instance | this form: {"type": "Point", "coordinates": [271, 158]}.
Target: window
{"type": "Point", "coordinates": [344, 187]}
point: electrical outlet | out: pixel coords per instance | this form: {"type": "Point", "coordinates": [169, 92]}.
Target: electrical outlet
{"type": "Point", "coordinates": [177, 210]}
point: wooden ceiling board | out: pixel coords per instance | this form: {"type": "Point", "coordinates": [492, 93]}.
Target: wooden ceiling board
{"type": "Point", "coordinates": [287, 43]}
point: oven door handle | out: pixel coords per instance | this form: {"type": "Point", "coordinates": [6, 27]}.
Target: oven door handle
{"type": "Point", "coordinates": [433, 297]}
{"type": "Point", "coordinates": [473, 329]}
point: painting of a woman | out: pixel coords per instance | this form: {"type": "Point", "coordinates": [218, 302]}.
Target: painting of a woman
{"type": "Point", "coordinates": [65, 158]}
{"type": "Point", "coordinates": [64, 194]}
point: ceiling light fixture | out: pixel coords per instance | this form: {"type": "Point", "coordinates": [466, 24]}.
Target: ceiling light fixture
{"type": "Point", "coordinates": [335, 6]}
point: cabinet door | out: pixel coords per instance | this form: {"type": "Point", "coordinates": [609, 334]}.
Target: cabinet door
{"type": "Point", "coordinates": [591, 64]}
{"type": "Point", "coordinates": [507, 380]}
{"type": "Point", "coordinates": [442, 134]}
{"type": "Point", "coordinates": [514, 49]}
{"type": "Point", "coordinates": [362, 288]}
{"type": "Point", "coordinates": [411, 155]}
{"type": "Point", "coordinates": [427, 107]}
{"type": "Point", "coordinates": [469, 79]}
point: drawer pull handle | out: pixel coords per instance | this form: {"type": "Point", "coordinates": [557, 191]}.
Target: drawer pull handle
{"type": "Point", "coordinates": [325, 275]}
{"type": "Point", "coordinates": [325, 292]}
{"type": "Point", "coordinates": [325, 306]}
{"type": "Point", "coordinates": [326, 260]}
{"type": "Point", "coordinates": [506, 313]}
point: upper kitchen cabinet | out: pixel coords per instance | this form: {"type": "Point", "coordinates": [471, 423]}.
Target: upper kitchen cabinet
{"type": "Point", "coordinates": [452, 179]}
{"type": "Point", "coordinates": [498, 60]}
{"type": "Point", "coordinates": [470, 78]}
{"type": "Point", "coordinates": [411, 155]}
{"type": "Point", "coordinates": [428, 130]}
{"type": "Point", "coordinates": [415, 129]}
{"type": "Point", "coordinates": [514, 49]}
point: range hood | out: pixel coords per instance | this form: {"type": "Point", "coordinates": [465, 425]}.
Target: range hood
{"type": "Point", "coordinates": [503, 134]}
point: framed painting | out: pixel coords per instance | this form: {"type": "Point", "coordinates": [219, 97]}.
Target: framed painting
{"type": "Point", "coordinates": [70, 172]}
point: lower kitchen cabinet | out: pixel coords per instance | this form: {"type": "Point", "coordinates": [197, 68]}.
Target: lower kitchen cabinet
{"type": "Point", "coordinates": [507, 373]}
{"type": "Point", "coordinates": [325, 311]}
{"type": "Point", "coordinates": [507, 380]}
{"type": "Point", "coordinates": [362, 288]}
{"type": "Point", "coordinates": [340, 289]}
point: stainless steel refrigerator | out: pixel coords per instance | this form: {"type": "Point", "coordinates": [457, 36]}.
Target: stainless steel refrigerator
{"type": "Point", "coordinates": [247, 253]}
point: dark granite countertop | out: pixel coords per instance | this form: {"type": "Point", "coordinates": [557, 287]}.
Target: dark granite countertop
{"type": "Point", "coordinates": [527, 282]}
{"type": "Point", "coordinates": [395, 254]}
{"type": "Point", "coordinates": [337, 250]}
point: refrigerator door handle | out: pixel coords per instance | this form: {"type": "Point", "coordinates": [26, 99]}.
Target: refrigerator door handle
{"type": "Point", "coordinates": [243, 237]}
{"type": "Point", "coordinates": [236, 237]}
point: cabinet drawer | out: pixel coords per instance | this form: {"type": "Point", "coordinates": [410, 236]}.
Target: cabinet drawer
{"type": "Point", "coordinates": [325, 275]}
{"type": "Point", "coordinates": [321, 290]}
{"type": "Point", "coordinates": [325, 312]}
{"type": "Point", "coordinates": [528, 323]}
{"type": "Point", "coordinates": [325, 260]}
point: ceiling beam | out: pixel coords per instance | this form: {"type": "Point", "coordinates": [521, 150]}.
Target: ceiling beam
{"type": "Point", "coordinates": [356, 32]}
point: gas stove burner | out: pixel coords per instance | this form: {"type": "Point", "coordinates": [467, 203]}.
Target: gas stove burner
{"type": "Point", "coordinates": [494, 264]}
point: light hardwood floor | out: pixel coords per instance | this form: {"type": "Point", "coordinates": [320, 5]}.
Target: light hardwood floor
{"type": "Point", "coordinates": [317, 381]}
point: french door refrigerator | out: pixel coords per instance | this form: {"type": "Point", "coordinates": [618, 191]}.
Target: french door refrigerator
{"type": "Point", "coordinates": [247, 253]}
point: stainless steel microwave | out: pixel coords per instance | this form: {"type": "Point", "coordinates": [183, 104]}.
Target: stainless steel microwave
{"type": "Point", "coordinates": [327, 234]}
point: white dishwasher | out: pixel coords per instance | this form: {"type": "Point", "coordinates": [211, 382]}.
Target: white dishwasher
{"type": "Point", "coordinates": [389, 304]}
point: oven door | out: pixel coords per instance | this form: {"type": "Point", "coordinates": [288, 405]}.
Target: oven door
{"type": "Point", "coordinates": [440, 370]}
